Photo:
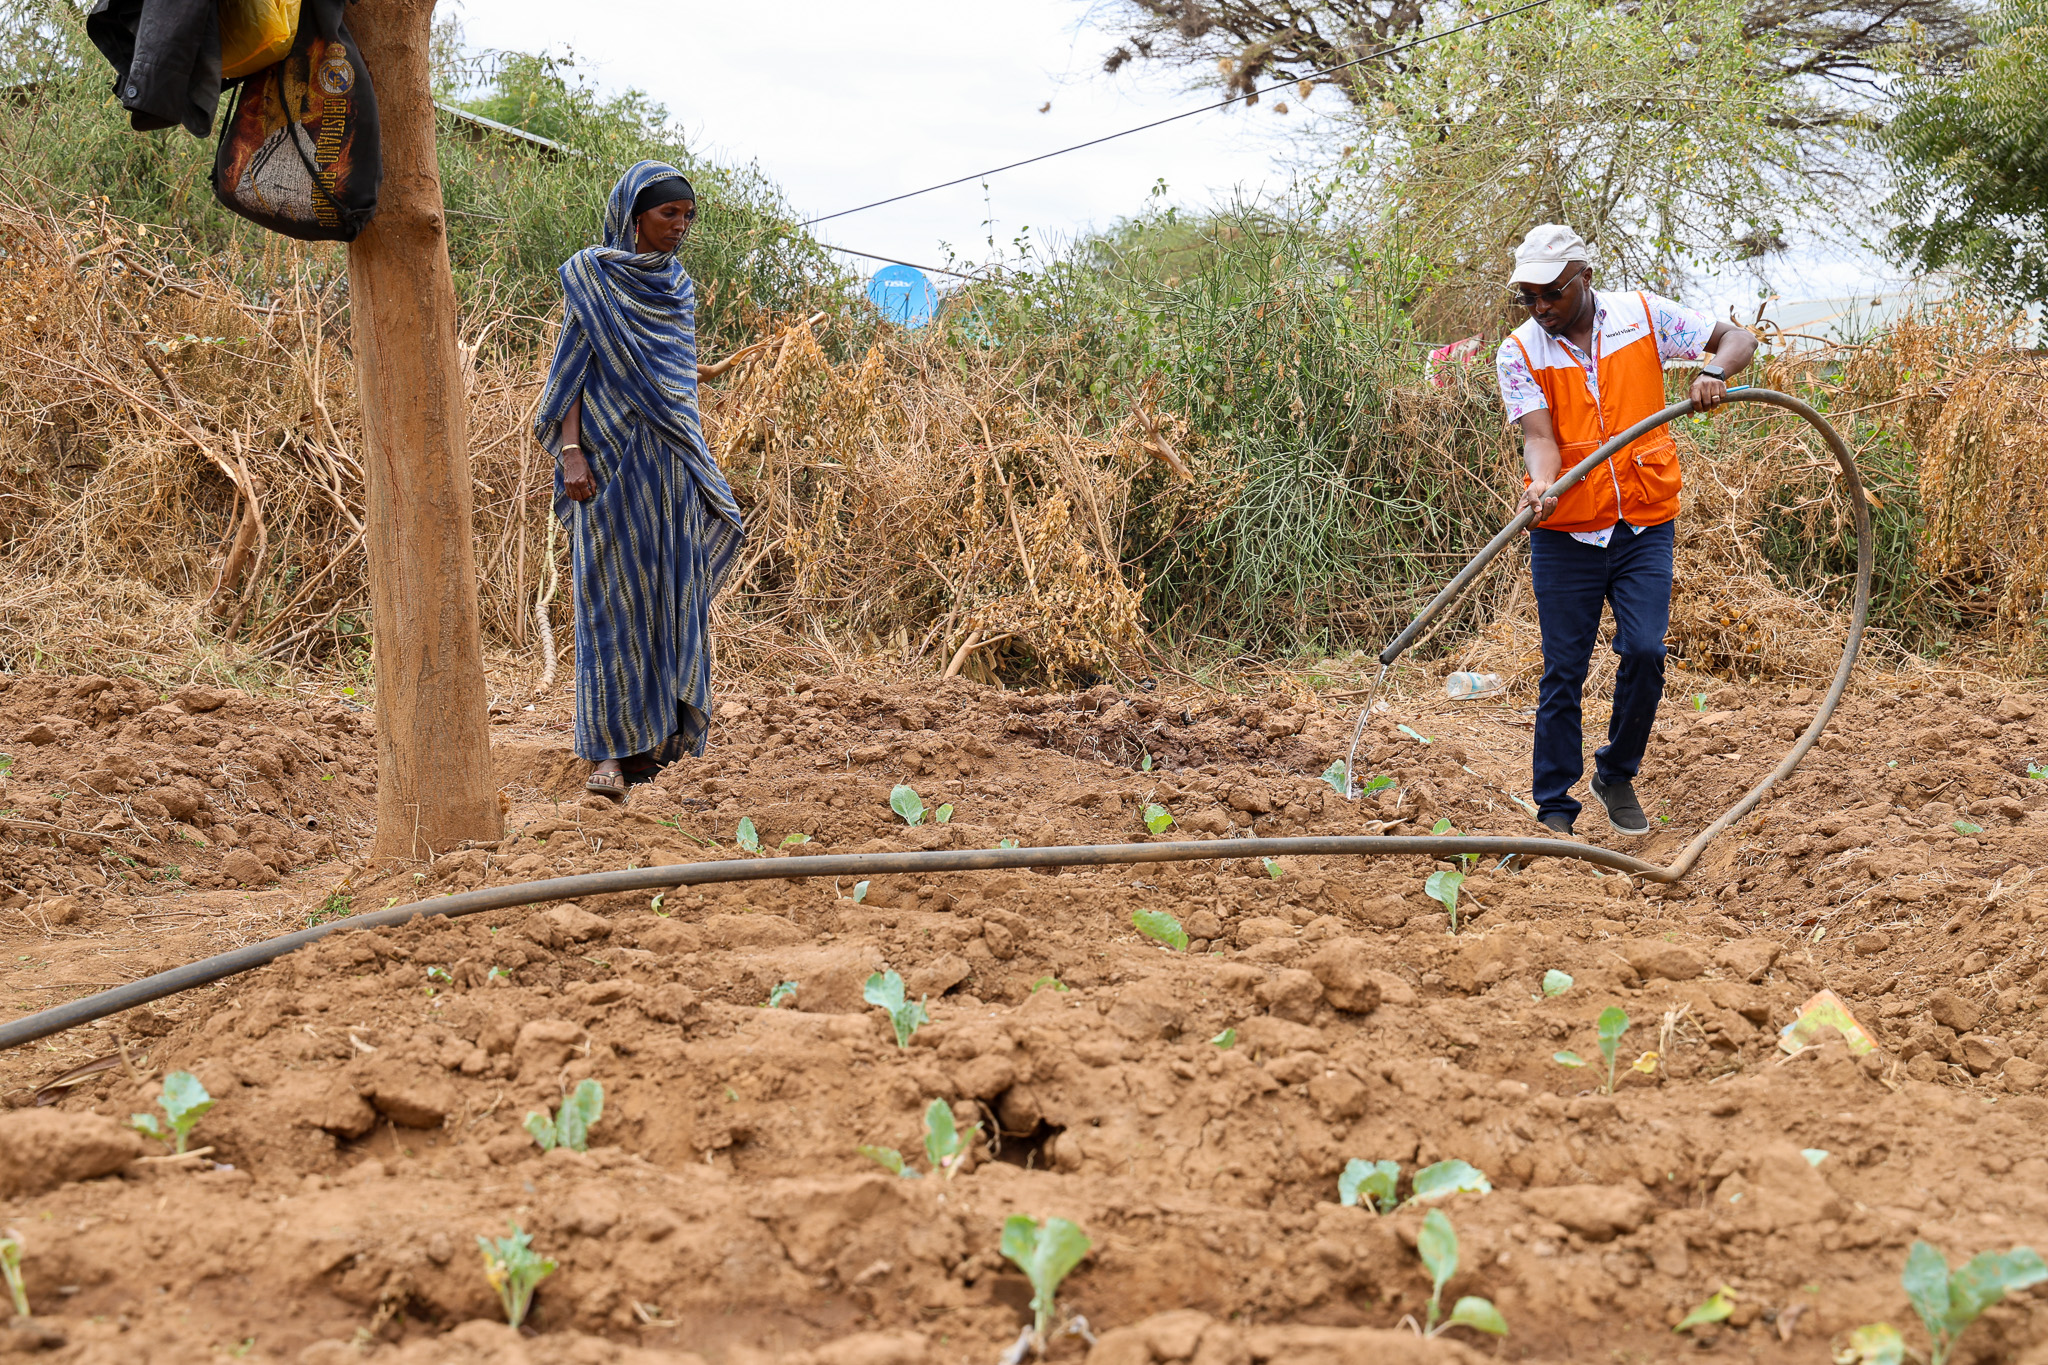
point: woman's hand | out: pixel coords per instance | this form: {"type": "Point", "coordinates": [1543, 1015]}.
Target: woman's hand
{"type": "Point", "coordinates": [577, 480]}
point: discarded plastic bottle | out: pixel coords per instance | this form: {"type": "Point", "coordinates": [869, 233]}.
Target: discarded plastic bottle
{"type": "Point", "coordinates": [1461, 685]}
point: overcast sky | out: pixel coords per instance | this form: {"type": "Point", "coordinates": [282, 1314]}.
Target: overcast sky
{"type": "Point", "coordinates": [843, 104]}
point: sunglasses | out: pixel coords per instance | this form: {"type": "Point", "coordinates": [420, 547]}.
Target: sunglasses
{"type": "Point", "coordinates": [1551, 295]}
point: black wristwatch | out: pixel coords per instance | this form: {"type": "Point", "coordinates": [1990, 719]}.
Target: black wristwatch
{"type": "Point", "coordinates": [1713, 372]}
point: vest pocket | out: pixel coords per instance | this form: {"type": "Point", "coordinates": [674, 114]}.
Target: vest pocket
{"type": "Point", "coordinates": [1657, 469]}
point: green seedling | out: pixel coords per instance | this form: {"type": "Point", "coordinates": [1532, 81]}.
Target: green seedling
{"type": "Point", "coordinates": [884, 990]}
{"type": "Point", "coordinates": [571, 1125]}
{"type": "Point", "coordinates": [1447, 1178]}
{"type": "Point", "coordinates": [10, 1267]}
{"type": "Point", "coordinates": [784, 992]}
{"type": "Point", "coordinates": [1949, 1302]}
{"type": "Point", "coordinates": [438, 974]}
{"type": "Point", "coordinates": [1006, 843]}
{"type": "Point", "coordinates": [1339, 778]}
{"type": "Point", "coordinates": [1718, 1306]}
{"type": "Point", "coordinates": [1045, 1252]}
{"type": "Point", "coordinates": [1442, 826]}
{"type": "Point", "coordinates": [1416, 735]}
{"type": "Point", "coordinates": [1047, 983]}
{"type": "Point", "coordinates": [184, 1102]}
{"type": "Point", "coordinates": [1556, 983]}
{"type": "Point", "coordinates": [1443, 886]}
{"type": "Point", "coordinates": [1568, 1058]}
{"type": "Point", "coordinates": [1225, 1040]}
{"type": "Point", "coordinates": [1145, 763]}
{"type": "Point", "coordinates": [1273, 868]}
{"type": "Point", "coordinates": [1375, 1180]}
{"type": "Point", "coordinates": [1376, 784]}
{"type": "Point", "coordinates": [1437, 1244]}
{"type": "Point", "coordinates": [1161, 927]}
{"type": "Point", "coordinates": [1699, 701]}
{"type": "Point", "coordinates": [514, 1269]}
{"type": "Point", "coordinates": [907, 803]}
{"type": "Point", "coordinates": [1158, 819]}
{"type": "Point", "coordinates": [2037, 772]}
{"type": "Point", "coordinates": [860, 892]}
{"type": "Point", "coordinates": [1613, 1022]}
{"type": "Point", "coordinates": [497, 974]}
{"type": "Point", "coordinates": [1966, 827]}
{"type": "Point", "coordinates": [747, 837]}
{"type": "Point", "coordinates": [1877, 1343]}
{"type": "Point", "coordinates": [792, 840]}
{"type": "Point", "coordinates": [889, 1159]}
{"type": "Point", "coordinates": [943, 814]}
{"type": "Point", "coordinates": [945, 1145]}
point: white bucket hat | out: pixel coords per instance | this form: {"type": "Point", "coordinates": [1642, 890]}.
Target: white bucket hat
{"type": "Point", "coordinates": [1545, 252]}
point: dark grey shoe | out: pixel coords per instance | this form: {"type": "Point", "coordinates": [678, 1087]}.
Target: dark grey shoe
{"type": "Point", "coordinates": [1624, 812]}
{"type": "Point", "coordinates": [1558, 824]}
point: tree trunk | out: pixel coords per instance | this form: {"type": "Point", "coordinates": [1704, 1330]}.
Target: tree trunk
{"type": "Point", "coordinates": [434, 786]}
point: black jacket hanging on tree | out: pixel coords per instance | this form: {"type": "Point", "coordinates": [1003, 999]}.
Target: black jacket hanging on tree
{"type": "Point", "coordinates": [166, 56]}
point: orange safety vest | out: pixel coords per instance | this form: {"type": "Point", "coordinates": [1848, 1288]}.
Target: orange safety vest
{"type": "Point", "coordinates": [1640, 483]}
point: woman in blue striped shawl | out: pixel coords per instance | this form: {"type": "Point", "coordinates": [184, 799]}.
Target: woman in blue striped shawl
{"type": "Point", "coordinates": [652, 524]}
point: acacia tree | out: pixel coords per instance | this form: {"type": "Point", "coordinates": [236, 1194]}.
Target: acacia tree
{"type": "Point", "coordinates": [1970, 148]}
{"type": "Point", "coordinates": [1649, 128]}
{"type": "Point", "coordinates": [1838, 48]}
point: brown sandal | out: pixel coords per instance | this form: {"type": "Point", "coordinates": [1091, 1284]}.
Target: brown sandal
{"type": "Point", "coordinates": [610, 785]}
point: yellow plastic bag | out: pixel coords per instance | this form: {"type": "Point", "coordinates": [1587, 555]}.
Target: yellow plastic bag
{"type": "Point", "coordinates": [255, 34]}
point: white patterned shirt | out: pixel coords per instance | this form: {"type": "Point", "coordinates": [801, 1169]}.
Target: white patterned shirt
{"type": "Point", "coordinates": [1681, 335]}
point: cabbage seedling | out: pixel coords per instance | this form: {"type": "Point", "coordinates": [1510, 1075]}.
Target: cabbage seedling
{"type": "Point", "coordinates": [1437, 1244]}
{"type": "Point", "coordinates": [943, 814]}
{"type": "Point", "coordinates": [1225, 1040]}
{"type": "Point", "coordinates": [1613, 1022]}
{"type": "Point", "coordinates": [10, 1267]}
{"type": "Point", "coordinates": [860, 892]}
{"type": "Point", "coordinates": [884, 990]}
{"type": "Point", "coordinates": [1443, 825]}
{"type": "Point", "coordinates": [1161, 927]}
{"type": "Point", "coordinates": [1556, 982]}
{"type": "Point", "coordinates": [1443, 886]}
{"type": "Point", "coordinates": [792, 840]}
{"type": "Point", "coordinates": [889, 1159]}
{"type": "Point", "coordinates": [1876, 1343]}
{"type": "Point", "coordinates": [747, 837]}
{"type": "Point", "coordinates": [1568, 1058]}
{"type": "Point", "coordinates": [1448, 1178]}
{"type": "Point", "coordinates": [1373, 1179]}
{"type": "Point", "coordinates": [784, 992]}
{"type": "Point", "coordinates": [1414, 734]}
{"type": "Point", "coordinates": [907, 803]}
{"type": "Point", "coordinates": [1339, 778]}
{"type": "Point", "coordinates": [1718, 1306]}
{"type": "Point", "coordinates": [945, 1146]}
{"type": "Point", "coordinates": [571, 1124]}
{"type": "Point", "coordinates": [1158, 819]}
{"type": "Point", "coordinates": [514, 1269]}
{"type": "Point", "coordinates": [184, 1102]}
{"type": "Point", "coordinates": [1045, 1252]}
{"type": "Point", "coordinates": [1273, 868]}
{"type": "Point", "coordinates": [1966, 827]}
{"type": "Point", "coordinates": [1949, 1302]}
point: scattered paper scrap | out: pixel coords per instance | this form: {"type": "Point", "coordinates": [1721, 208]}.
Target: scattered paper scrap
{"type": "Point", "coordinates": [1822, 1010]}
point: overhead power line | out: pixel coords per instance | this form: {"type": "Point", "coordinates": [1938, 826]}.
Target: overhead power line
{"type": "Point", "coordinates": [1388, 51]}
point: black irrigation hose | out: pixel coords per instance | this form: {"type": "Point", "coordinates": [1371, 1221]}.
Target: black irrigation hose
{"type": "Point", "coordinates": [861, 865]}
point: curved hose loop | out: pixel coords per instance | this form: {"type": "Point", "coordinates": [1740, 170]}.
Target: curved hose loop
{"type": "Point", "coordinates": [1859, 617]}
{"type": "Point", "coordinates": [179, 979]}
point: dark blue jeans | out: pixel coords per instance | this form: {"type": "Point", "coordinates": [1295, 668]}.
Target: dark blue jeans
{"type": "Point", "coordinates": [1632, 573]}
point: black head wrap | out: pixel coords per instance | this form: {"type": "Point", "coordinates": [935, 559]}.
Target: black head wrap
{"type": "Point", "coordinates": [662, 192]}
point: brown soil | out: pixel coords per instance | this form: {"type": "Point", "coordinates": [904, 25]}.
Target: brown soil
{"type": "Point", "coordinates": [370, 1089]}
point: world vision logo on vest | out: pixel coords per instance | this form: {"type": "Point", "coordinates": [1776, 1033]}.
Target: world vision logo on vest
{"type": "Point", "coordinates": [1640, 484]}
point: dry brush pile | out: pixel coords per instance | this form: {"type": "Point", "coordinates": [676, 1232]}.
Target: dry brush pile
{"type": "Point", "coordinates": [180, 493]}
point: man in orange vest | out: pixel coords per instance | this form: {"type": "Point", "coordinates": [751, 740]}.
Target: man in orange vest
{"type": "Point", "coordinates": [1585, 366]}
